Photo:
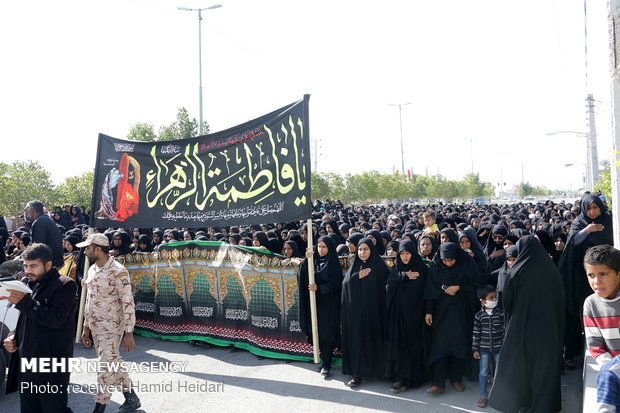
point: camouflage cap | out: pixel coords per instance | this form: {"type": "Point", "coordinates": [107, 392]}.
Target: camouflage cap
{"type": "Point", "coordinates": [97, 239]}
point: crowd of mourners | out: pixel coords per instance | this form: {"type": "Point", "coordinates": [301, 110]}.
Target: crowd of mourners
{"type": "Point", "coordinates": [476, 290]}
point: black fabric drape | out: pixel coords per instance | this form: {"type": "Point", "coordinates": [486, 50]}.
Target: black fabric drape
{"type": "Point", "coordinates": [529, 366]}
{"type": "Point", "coordinates": [452, 314]}
{"type": "Point", "coordinates": [405, 318]}
{"type": "Point", "coordinates": [328, 277]}
{"type": "Point", "coordinates": [363, 316]}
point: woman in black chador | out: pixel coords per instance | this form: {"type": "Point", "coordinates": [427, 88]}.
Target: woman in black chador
{"type": "Point", "coordinates": [592, 227]}
{"type": "Point", "coordinates": [528, 370]}
{"type": "Point", "coordinates": [448, 312]}
{"type": "Point", "coordinates": [328, 286]}
{"type": "Point", "coordinates": [363, 315]}
{"type": "Point", "coordinates": [405, 318]}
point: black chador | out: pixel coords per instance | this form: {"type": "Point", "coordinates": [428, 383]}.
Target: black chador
{"type": "Point", "coordinates": [405, 318]}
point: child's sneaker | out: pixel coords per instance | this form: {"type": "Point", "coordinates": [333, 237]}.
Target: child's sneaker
{"type": "Point", "coordinates": [483, 402]}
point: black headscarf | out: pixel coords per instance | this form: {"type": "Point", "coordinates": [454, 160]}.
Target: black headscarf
{"type": "Point", "coordinates": [175, 235]}
{"type": "Point", "coordinates": [394, 245]}
{"type": "Point", "coordinates": [511, 252]}
{"type": "Point", "coordinates": [294, 236]}
{"type": "Point", "coordinates": [73, 240]}
{"type": "Point", "coordinates": [262, 238]}
{"type": "Point", "coordinates": [451, 234]}
{"type": "Point", "coordinates": [491, 246]}
{"type": "Point", "coordinates": [294, 247]}
{"type": "Point", "coordinates": [336, 231]}
{"type": "Point", "coordinates": [355, 239]}
{"type": "Point", "coordinates": [160, 233]}
{"type": "Point", "coordinates": [378, 239]}
{"type": "Point", "coordinates": [547, 242]}
{"type": "Point", "coordinates": [144, 239]}
{"type": "Point", "coordinates": [430, 257]}
{"type": "Point", "coordinates": [482, 274]}
{"type": "Point", "coordinates": [125, 241]}
{"type": "Point", "coordinates": [582, 221]}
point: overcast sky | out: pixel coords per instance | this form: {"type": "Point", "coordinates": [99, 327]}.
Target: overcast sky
{"type": "Point", "coordinates": [502, 72]}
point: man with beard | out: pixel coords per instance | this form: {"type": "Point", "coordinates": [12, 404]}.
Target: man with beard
{"type": "Point", "coordinates": [44, 329]}
{"type": "Point", "coordinates": [109, 312]}
{"type": "Point", "coordinates": [45, 231]}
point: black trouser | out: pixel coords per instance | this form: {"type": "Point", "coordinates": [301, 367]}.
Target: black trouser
{"type": "Point", "coordinates": [448, 366]}
{"type": "Point", "coordinates": [573, 336]}
{"type": "Point", "coordinates": [33, 402]}
{"type": "Point", "coordinates": [327, 350]}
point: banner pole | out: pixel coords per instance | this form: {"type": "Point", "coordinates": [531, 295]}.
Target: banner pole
{"type": "Point", "coordinates": [78, 330]}
{"type": "Point", "coordinates": [313, 317]}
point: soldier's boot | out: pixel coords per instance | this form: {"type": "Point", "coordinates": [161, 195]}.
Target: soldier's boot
{"type": "Point", "coordinates": [132, 402]}
{"type": "Point", "coordinates": [99, 408]}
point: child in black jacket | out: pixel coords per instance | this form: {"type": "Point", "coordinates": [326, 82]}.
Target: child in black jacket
{"type": "Point", "coordinates": [488, 336]}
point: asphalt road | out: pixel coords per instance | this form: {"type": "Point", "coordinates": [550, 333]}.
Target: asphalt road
{"type": "Point", "coordinates": [223, 381]}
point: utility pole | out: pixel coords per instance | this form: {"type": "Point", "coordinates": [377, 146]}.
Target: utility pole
{"type": "Point", "coordinates": [471, 152]}
{"type": "Point", "coordinates": [592, 148]}
{"type": "Point", "coordinates": [315, 154]}
{"type": "Point", "coordinates": [614, 49]}
{"type": "Point", "coordinates": [501, 173]}
{"type": "Point", "coordinates": [400, 115]}
{"type": "Point", "coordinates": [215, 6]}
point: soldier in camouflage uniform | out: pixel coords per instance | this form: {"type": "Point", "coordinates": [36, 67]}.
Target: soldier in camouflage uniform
{"type": "Point", "coordinates": [109, 313]}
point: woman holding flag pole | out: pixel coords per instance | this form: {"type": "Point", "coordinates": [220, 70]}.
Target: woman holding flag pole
{"type": "Point", "coordinates": [327, 288]}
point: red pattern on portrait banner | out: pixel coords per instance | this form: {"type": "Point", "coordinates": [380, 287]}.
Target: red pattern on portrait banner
{"type": "Point", "coordinates": [127, 197]}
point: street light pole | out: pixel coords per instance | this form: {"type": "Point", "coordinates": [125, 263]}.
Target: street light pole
{"type": "Point", "coordinates": [402, 150]}
{"type": "Point", "coordinates": [471, 153]}
{"type": "Point", "coordinates": [200, 65]}
{"type": "Point", "coordinates": [215, 6]}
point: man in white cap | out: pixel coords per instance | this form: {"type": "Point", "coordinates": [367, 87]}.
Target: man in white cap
{"type": "Point", "coordinates": [109, 313]}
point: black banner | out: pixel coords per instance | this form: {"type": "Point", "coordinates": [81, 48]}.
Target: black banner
{"type": "Point", "coordinates": [254, 173]}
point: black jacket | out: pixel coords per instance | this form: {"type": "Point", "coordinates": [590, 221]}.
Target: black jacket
{"type": "Point", "coordinates": [45, 231]}
{"type": "Point", "coordinates": [45, 328]}
{"type": "Point", "coordinates": [488, 331]}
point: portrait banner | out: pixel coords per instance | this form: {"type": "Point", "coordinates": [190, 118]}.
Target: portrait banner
{"type": "Point", "coordinates": [257, 172]}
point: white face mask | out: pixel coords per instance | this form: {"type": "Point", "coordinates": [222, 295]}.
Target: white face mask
{"type": "Point", "coordinates": [490, 304]}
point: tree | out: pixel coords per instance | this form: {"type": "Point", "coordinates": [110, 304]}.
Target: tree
{"type": "Point", "coordinates": [21, 182]}
{"type": "Point", "coordinates": [354, 190]}
{"type": "Point", "coordinates": [473, 187]}
{"type": "Point", "coordinates": [182, 128]}
{"type": "Point", "coordinates": [336, 185]}
{"type": "Point", "coordinates": [142, 132]}
{"type": "Point", "coordinates": [319, 187]}
{"type": "Point", "coordinates": [76, 190]}
{"type": "Point", "coordinates": [525, 189]}
{"type": "Point", "coordinates": [604, 183]}
{"type": "Point", "coordinates": [394, 187]}
{"type": "Point", "coordinates": [436, 187]}
{"type": "Point", "coordinates": [419, 185]}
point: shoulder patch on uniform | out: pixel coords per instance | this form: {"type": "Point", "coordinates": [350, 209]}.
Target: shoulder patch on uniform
{"type": "Point", "coordinates": [121, 273]}
{"type": "Point", "coordinates": [125, 281]}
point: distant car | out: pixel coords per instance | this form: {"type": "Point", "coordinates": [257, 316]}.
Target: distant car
{"type": "Point", "coordinates": [529, 199]}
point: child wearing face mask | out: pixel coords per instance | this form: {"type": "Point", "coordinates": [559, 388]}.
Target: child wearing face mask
{"type": "Point", "coordinates": [488, 336]}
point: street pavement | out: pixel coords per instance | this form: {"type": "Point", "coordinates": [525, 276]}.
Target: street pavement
{"type": "Point", "coordinates": [223, 381]}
